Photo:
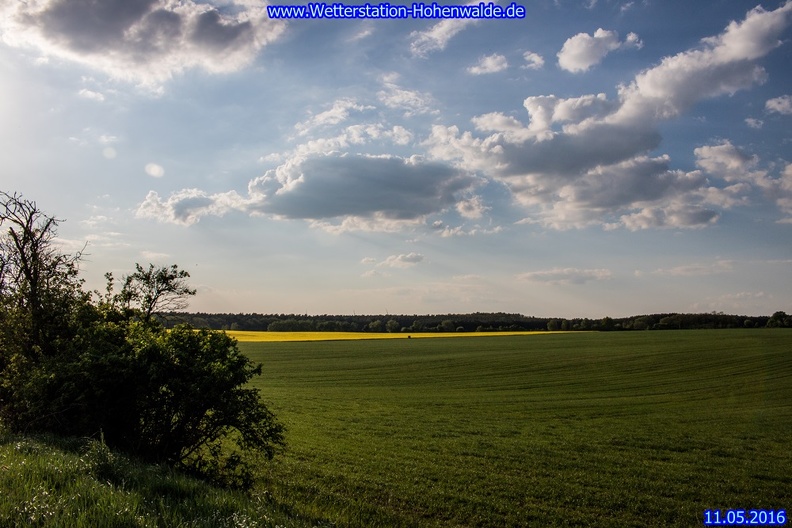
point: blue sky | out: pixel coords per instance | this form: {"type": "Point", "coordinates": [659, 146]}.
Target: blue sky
{"type": "Point", "coordinates": [595, 158]}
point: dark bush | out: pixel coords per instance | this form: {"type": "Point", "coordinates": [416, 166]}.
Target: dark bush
{"type": "Point", "coordinates": [70, 365]}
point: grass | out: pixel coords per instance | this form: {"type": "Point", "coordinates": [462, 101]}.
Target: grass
{"type": "Point", "coordinates": [258, 337]}
{"type": "Point", "coordinates": [57, 483]}
{"type": "Point", "coordinates": [595, 429]}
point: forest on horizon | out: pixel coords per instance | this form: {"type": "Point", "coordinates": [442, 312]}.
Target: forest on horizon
{"type": "Point", "coordinates": [474, 322]}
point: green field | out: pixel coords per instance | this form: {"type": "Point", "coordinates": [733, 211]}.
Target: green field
{"type": "Point", "coordinates": [596, 429]}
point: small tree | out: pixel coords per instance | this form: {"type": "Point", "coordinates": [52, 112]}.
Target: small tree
{"type": "Point", "coordinates": [40, 300]}
{"type": "Point", "coordinates": [38, 283]}
{"type": "Point", "coordinates": [155, 290]}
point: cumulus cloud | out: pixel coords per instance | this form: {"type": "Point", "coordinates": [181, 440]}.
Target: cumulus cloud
{"type": "Point", "coordinates": [673, 215]}
{"type": "Point", "coordinates": [730, 163]}
{"type": "Point", "coordinates": [724, 64]}
{"type": "Point", "coordinates": [581, 52]}
{"type": "Point", "coordinates": [566, 275]}
{"type": "Point", "coordinates": [582, 161]}
{"type": "Point", "coordinates": [781, 105]}
{"type": "Point", "coordinates": [143, 41]}
{"type": "Point", "coordinates": [335, 192]}
{"type": "Point", "coordinates": [533, 61]}
{"type": "Point", "coordinates": [335, 186]}
{"type": "Point", "coordinates": [489, 64]}
{"type": "Point", "coordinates": [187, 206]}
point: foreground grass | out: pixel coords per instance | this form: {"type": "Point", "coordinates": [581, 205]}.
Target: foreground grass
{"type": "Point", "coordinates": [609, 429]}
{"type": "Point", "coordinates": [58, 483]}
{"type": "Point", "coordinates": [259, 337]}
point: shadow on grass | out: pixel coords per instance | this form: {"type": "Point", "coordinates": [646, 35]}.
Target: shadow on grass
{"type": "Point", "coordinates": [59, 482]}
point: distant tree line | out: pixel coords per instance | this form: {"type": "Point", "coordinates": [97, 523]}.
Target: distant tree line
{"type": "Point", "coordinates": [474, 322]}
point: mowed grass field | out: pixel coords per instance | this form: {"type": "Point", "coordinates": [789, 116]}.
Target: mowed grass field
{"type": "Point", "coordinates": [595, 429]}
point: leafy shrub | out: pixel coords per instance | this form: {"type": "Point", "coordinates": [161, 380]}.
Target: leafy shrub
{"type": "Point", "coordinates": [70, 365]}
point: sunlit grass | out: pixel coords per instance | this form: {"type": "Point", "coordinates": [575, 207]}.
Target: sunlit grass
{"type": "Point", "coordinates": [619, 429]}
{"type": "Point", "coordinates": [261, 337]}
{"type": "Point", "coordinates": [72, 483]}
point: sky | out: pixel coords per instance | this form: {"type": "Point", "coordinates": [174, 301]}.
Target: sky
{"type": "Point", "coordinates": [595, 158]}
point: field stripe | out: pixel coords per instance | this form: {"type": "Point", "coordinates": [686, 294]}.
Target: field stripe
{"type": "Point", "coordinates": [274, 337]}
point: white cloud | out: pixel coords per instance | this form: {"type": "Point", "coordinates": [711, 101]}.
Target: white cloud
{"type": "Point", "coordinates": [723, 64]}
{"type": "Point", "coordinates": [548, 110]}
{"type": "Point", "coordinates": [143, 41]}
{"type": "Point", "coordinates": [95, 221]}
{"type": "Point", "coordinates": [363, 33]}
{"type": "Point", "coordinates": [404, 260]}
{"type": "Point", "coordinates": [449, 231]}
{"type": "Point", "coordinates": [436, 38]}
{"type": "Point", "coordinates": [566, 275]}
{"type": "Point", "coordinates": [472, 208]}
{"type": "Point", "coordinates": [582, 161]}
{"type": "Point", "coordinates": [533, 61]}
{"type": "Point", "coordinates": [188, 206]}
{"type": "Point", "coordinates": [728, 162]}
{"type": "Point", "coordinates": [754, 123]}
{"type": "Point", "coordinates": [89, 94]}
{"type": "Point", "coordinates": [154, 170]}
{"type": "Point", "coordinates": [583, 51]}
{"type": "Point", "coordinates": [510, 128]}
{"type": "Point", "coordinates": [489, 64]}
{"type": "Point", "coordinates": [401, 261]}
{"type": "Point", "coordinates": [781, 105]}
{"type": "Point", "coordinates": [671, 216]}
{"type": "Point", "coordinates": [338, 113]}
{"type": "Point", "coordinates": [412, 102]}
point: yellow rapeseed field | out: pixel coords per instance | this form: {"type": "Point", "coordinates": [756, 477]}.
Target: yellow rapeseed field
{"type": "Point", "coordinates": [256, 337]}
